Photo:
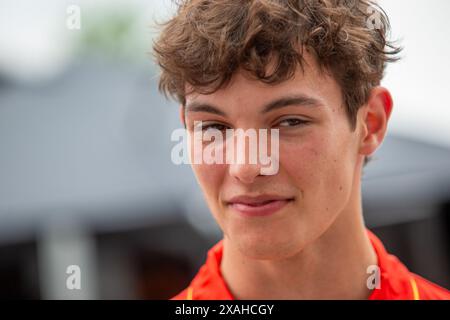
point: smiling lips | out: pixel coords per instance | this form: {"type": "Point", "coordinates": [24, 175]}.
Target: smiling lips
{"type": "Point", "coordinates": [262, 205]}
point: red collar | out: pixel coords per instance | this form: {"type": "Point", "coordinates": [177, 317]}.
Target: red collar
{"type": "Point", "coordinates": [396, 281]}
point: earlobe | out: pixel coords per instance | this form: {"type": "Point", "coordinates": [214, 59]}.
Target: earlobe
{"type": "Point", "coordinates": [375, 119]}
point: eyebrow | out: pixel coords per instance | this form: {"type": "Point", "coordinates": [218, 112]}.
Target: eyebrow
{"type": "Point", "coordinates": [203, 107]}
{"type": "Point", "coordinates": [293, 100]}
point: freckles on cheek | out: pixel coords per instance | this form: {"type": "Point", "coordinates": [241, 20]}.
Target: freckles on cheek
{"type": "Point", "coordinates": [307, 163]}
{"type": "Point", "coordinates": [299, 162]}
{"type": "Point", "coordinates": [301, 154]}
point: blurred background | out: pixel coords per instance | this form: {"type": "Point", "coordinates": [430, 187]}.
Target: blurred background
{"type": "Point", "coordinates": [86, 177]}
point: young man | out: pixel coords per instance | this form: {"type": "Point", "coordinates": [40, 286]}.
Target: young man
{"type": "Point", "coordinates": [310, 69]}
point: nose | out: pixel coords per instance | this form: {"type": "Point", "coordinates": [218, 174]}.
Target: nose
{"type": "Point", "coordinates": [245, 173]}
{"type": "Point", "coordinates": [245, 165]}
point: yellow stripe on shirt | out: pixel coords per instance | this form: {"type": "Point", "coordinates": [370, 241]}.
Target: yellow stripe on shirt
{"type": "Point", "coordinates": [415, 290]}
{"type": "Point", "coordinates": [189, 293]}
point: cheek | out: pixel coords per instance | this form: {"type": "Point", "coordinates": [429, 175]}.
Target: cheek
{"type": "Point", "coordinates": [210, 178]}
{"type": "Point", "coordinates": [305, 157]}
{"type": "Point", "coordinates": [318, 164]}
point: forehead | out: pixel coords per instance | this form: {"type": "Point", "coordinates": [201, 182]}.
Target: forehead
{"type": "Point", "coordinates": [244, 89]}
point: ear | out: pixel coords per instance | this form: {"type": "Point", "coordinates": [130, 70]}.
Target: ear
{"type": "Point", "coordinates": [182, 115]}
{"type": "Point", "coordinates": [375, 116]}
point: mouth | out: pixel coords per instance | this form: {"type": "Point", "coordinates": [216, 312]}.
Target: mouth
{"type": "Point", "coordinates": [263, 205]}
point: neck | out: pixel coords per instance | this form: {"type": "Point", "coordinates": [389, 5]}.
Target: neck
{"type": "Point", "coordinates": [334, 266]}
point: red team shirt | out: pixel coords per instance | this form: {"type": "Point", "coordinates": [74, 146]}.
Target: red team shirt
{"type": "Point", "coordinates": [397, 283]}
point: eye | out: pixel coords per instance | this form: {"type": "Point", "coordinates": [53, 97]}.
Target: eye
{"type": "Point", "coordinates": [204, 126]}
{"type": "Point", "coordinates": [291, 122]}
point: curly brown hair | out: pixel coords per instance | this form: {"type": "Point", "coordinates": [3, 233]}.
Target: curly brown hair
{"type": "Point", "coordinates": [207, 41]}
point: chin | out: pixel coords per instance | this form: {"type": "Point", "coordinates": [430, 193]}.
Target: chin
{"type": "Point", "coordinates": [267, 247]}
